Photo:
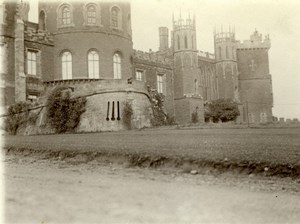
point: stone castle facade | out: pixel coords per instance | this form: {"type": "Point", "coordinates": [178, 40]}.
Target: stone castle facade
{"type": "Point", "coordinates": [90, 44]}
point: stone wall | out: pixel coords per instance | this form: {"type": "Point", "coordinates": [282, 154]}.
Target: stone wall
{"type": "Point", "coordinates": [102, 96]}
{"type": "Point", "coordinates": [151, 67]}
{"type": "Point", "coordinates": [184, 108]}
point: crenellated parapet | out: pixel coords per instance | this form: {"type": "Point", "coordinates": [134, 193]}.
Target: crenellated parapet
{"type": "Point", "coordinates": [152, 57]}
{"type": "Point", "coordinates": [207, 55]}
{"type": "Point", "coordinates": [224, 37]}
{"type": "Point", "coordinates": [32, 33]}
{"type": "Point", "coordinates": [180, 24]}
{"type": "Point", "coordinates": [256, 41]}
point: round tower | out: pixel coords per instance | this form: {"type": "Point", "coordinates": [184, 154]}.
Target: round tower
{"type": "Point", "coordinates": [92, 39]}
{"type": "Point", "coordinates": [226, 64]}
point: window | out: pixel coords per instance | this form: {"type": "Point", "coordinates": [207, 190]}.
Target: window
{"type": "Point", "coordinates": [129, 23]}
{"type": "Point", "coordinates": [42, 22]}
{"type": "Point", "coordinates": [32, 98]}
{"type": "Point", "coordinates": [2, 58]}
{"type": "Point", "coordinates": [31, 62]}
{"type": "Point", "coordinates": [66, 62]}
{"type": "Point", "coordinates": [233, 53]}
{"type": "Point", "coordinates": [115, 13]}
{"type": "Point", "coordinates": [66, 15]}
{"type": "Point", "coordinates": [117, 66]}
{"type": "Point", "coordinates": [192, 42]}
{"type": "Point", "coordinates": [91, 15]}
{"type": "Point", "coordinates": [139, 75]}
{"type": "Point", "coordinates": [160, 83]}
{"type": "Point", "coordinates": [227, 52]}
{"type": "Point", "coordinates": [93, 65]}
{"type": "Point", "coordinates": [185, 42]}
{"type": "Point", "coordinates": [178, 42]}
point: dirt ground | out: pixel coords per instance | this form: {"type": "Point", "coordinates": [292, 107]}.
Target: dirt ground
{"type": "Point", "coordinates": [54, 191]}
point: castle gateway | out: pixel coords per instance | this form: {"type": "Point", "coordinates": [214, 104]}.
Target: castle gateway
{"type": "Point", "coordinates": [88, 47]}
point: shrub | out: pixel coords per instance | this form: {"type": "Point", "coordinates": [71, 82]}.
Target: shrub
{"type": "Point", "coordinates": [17, 115]}
{"type": "Point", "coordinates": [221, 109]}
{"type": "Point", "coordinates": [63, 112]}
{"type": "Point", "coordinates": [127, 115]}
{"type": "Point", "coordinates": [195, 117]}
{"type": "Point", "coordinates": [159, 116]}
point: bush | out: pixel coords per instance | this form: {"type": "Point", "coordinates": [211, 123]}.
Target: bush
{"type": "Point", "coordinates": [63, 112]}
{"type": "Point", "coordinates": [221, 109]}
{"type": "Point", "coordinates": [17, 115]}
{"type": "Point", "coordinates": [159, 116]}
{"type": "Point", "coordinates": [127, 115]}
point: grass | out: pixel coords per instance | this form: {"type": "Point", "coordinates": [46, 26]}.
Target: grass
{"type": "Point", "coordinates": [278, 146]}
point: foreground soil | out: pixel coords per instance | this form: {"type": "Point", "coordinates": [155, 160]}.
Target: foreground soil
{"type": "Point", "coordinates": [59, 191]}
{"type": "Point", "coordinates": [265, 152]}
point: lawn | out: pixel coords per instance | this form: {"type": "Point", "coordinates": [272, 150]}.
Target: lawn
{"type": "Point", "coordinates": [272, 146]}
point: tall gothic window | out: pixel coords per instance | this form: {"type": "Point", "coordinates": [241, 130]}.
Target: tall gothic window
{"type": "Point", "coordinates": [160, 83]}
{"type": "Point", "coordinates": [93, 65]}
{"type": "Point", "coordinates": [185, 42]}
{"type": "Point", "coordinates": [178, 42]}
{"type": "Point", "coordinates": [66, 64]}
{"type": "Point", "coordinates": [220, 52]}
{"type": "Point", "coordinates": [227, 52]}
{"type": "Point", "coordinates": [232, 52]}
{"type": "Point", "coordinates": [91, 14]}
{"type": "Point", "coordinates": [192, 42]}
{"type": "Point", "coordinates": [66, 15]}
{"type": "Point", "coordinates": [117, 66]}
{"type": "Point", "coordinates": [115, 13]}
{"type": "Point", "coordinates": [31, 62]}
{"type": "Point", "coordinates": [42, 22]}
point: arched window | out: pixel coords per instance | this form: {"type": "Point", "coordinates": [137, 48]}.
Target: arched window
{"type": "Point", "coordinates": [220, 52]}
{"type": "Point", "coordinates": [192, 42]}
{"type": "Point", "coordinates": [185, 42]}
{"type": "Point", "coordinates": [66, 15]}
{"type": "Point", "coordinates": [42, 20]}
{"type": "Point", "coordinates": [115, 14]}
{"type": "Point", "coordinates": [129, 23]}
{"type": "Point", "coordinates": [117, 66]}
{"type": "Point", "coordinates": [93, 65]}
{"type": "Point", "coordinates": [66, 65]}
{"type": "Point", "coordinates": [227, 52]}
{"type": "Point", "coordinates": [91, 14]}
{"type": "Point", "coordinates": [178, 42]}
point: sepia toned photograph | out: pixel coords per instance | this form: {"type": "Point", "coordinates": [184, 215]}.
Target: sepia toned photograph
{"type": "Point", "coordinates": [150, 111]}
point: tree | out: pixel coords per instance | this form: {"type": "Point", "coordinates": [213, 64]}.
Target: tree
{"type": "Point", "coordinates": [221, 109]}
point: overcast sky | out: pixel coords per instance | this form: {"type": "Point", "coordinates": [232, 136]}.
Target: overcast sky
{"type": "Point", "coordinates": [279, 18]}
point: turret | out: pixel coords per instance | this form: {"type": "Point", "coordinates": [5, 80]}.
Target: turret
{"type": "Point", "coordinates": [186, 76]}
{"type": "Point", "coordinates": [184, 34]}
{"type": "Point", "coordinates": [226, 64]}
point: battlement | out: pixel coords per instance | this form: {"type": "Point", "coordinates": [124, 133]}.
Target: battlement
{"type": "Point", "coordinates": [205, 54]}
{"type": "Point", "coordinates": [151, 56]}
{"type": "Point", "coordinates": [184, 23]}
{"type": "Point", "coordinates": [224, 37]}
{"type": "Point", "coordinates": [32, 33]}
{"type": "Point", "coordinates": [256, 41]}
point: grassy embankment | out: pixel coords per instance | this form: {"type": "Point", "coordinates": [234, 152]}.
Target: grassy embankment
{"type": "Point", "coordinates": [274, 152]}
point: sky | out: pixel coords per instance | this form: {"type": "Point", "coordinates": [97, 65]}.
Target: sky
{"type": "Point", "coordinates": [278, 18]}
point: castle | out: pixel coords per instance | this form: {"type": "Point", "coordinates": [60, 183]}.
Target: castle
{"type": "Point", "coordinates": [88, 47]}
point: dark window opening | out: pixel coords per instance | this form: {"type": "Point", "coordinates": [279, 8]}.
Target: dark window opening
{"type": "Point", "coordinates": [113, 111]}
{"type": "Point", "coordinates": [107, 114]}
{"type": "Point", "coordinates": [118, 111]}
